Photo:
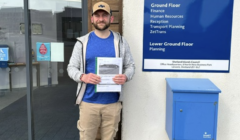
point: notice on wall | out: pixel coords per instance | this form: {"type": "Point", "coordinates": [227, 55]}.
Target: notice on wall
{"type": "Point", "coordinates": [187, 35]}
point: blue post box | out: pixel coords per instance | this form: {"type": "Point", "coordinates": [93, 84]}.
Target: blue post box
{"type": "Point", "coordinates": [191, 109]}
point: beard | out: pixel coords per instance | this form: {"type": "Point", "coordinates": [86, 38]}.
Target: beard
{"type": "Point", "coordinates": [101, 28]}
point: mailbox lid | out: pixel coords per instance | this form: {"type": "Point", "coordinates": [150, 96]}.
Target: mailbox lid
{"type": "Point", "coordinates": [192, 85]}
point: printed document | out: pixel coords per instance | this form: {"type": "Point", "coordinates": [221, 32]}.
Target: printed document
{"type": "Point", "coordinates": [107, 68]}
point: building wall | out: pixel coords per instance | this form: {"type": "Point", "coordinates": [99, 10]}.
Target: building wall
{"type": "Point", "coordinates": [12, 17]}
{"type": "Point", "coordinates": [145, 99]}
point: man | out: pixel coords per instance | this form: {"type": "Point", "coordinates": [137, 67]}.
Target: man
{"type": "Point", "coordinates": [99, 109]}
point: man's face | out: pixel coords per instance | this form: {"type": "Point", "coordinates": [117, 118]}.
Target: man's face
{"type": "Point", "coordinates": [101, 20]}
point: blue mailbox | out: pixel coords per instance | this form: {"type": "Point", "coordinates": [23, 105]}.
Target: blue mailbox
{"type": "Point", "coordinates": [191, 109]}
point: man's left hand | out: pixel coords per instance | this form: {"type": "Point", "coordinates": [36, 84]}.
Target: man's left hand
{"type": "Point", "coordinates": [120, 79]}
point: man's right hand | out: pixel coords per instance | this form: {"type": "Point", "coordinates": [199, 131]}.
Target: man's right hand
{"type": "Point", "coordinates": [91, 78]}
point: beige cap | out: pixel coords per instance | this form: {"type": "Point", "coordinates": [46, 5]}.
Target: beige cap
{"type": "Point", "coordinates": [101, 6]}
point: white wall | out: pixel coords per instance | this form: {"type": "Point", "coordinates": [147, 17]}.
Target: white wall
{"type": "Point", "coordinates": [145, 99]}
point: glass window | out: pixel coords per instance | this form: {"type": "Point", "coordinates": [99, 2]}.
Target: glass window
{"type": "Point", "coordinates": [55, 26]}
{"type": "Point", "coordinates": [13, 105]}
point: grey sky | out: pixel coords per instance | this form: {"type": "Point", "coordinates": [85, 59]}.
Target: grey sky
{"type": "Point", "coordinates": [53, 5]}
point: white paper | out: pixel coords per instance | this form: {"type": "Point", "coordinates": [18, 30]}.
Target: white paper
{"type": "Point", "coordinates": [107, 68]}
{"type": "Point", "coordinates": [57, 52]}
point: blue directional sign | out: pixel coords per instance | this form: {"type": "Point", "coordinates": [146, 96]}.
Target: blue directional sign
{"type": "Point", "coordinates": [187, 35]}
{"type": "Point", "coordinates": [4, 54]}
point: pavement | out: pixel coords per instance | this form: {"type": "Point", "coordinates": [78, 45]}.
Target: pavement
{"type": "Point", "coordinates": [54, 113]}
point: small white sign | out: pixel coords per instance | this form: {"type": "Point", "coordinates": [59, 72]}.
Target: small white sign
{"type": "Point", "coordinates": [173, 64]}
{"type": "Point", "coordinates": [57, 52]}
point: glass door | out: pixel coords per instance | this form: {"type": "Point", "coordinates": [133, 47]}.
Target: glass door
{"type": "Point", "coordinates": [13, 104]}
{"type": "Point", "coordinates": [55, 26]}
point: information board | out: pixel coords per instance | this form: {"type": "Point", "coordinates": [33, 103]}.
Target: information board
{"type": "Point", "coordinates": [187, 35]}
{"type": "Point", "coordinates": [4, 54]}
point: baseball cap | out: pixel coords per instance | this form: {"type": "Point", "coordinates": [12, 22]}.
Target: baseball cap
{"type": "Point", "coordinates": [101, 6]}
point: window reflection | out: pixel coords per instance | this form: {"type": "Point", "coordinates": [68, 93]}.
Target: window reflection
{"type": "Point", "coordinates": [51, 21]}
{"type": "Point", "coordinates": [54, 114]}
{"type": "Point", "coordinates": [13, 109]}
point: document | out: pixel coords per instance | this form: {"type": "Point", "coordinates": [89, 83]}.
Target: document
{"type": "Point", "coordinates": [107, 68]}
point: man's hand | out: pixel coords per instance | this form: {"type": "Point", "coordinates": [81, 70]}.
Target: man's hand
{"type": "Point", "coordinates": [91, 78]}
{"type": "Point", "coordinates": [120, 79]}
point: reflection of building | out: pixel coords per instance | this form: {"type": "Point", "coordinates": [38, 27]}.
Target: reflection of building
{"type": "Point", "coordinates": [69, 24]}
{"type": "Point", "coordinates": [64, 26]}
{"type": "Point", "coordinates": [50, 27]}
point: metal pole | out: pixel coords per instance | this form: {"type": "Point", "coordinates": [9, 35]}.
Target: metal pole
{"type": "Point", "coordinates": [28, 70]}
{"type": "Point", "coordinates": [49, 74]}
{"type": "Point", "coordinates": [84, 17]}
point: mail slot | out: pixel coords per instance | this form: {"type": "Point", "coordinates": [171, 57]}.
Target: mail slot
{"type": "Point", "coordinates": [191, 109]}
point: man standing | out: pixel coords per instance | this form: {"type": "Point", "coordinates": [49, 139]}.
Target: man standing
{"type": "Point", "coordinates": [99, 109]}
